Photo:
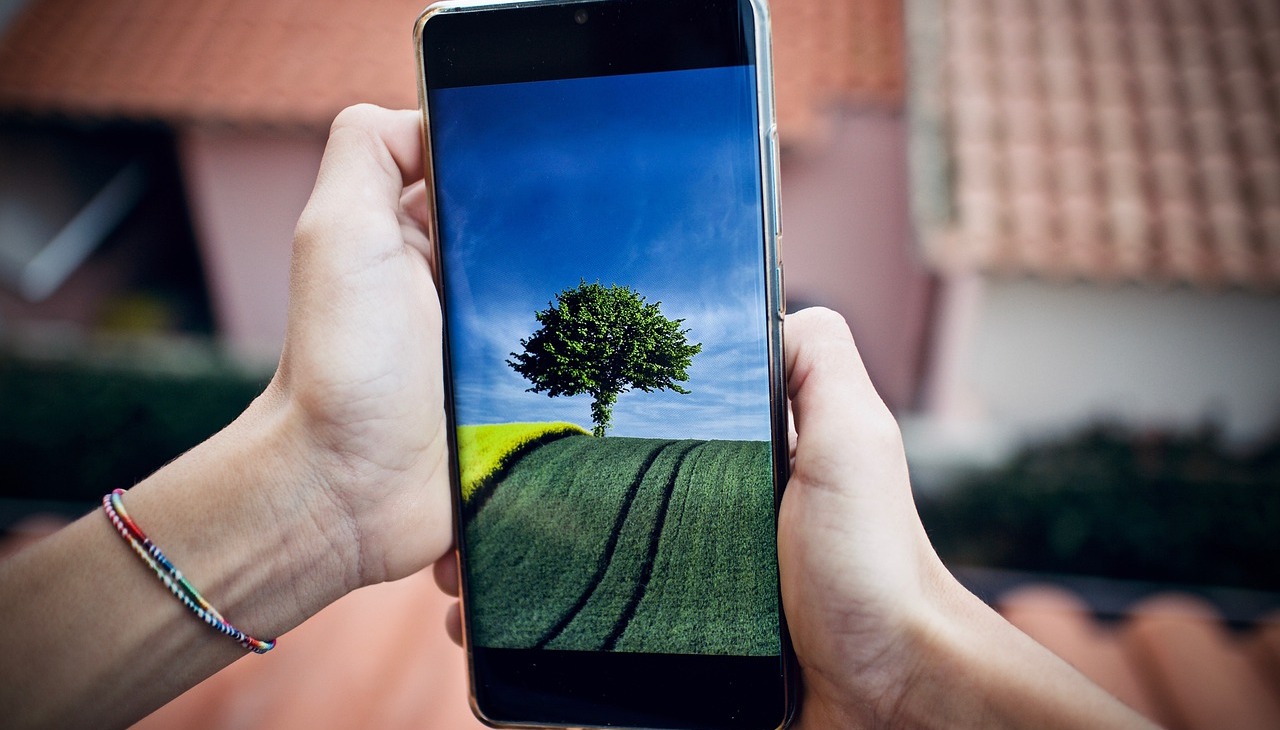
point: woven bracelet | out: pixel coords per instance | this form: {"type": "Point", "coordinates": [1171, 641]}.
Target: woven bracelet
{"type": "Point", "coordinates": [172, 577]}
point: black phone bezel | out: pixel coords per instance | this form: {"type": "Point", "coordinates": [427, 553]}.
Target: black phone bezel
{"type": "Point", "coordinates": [540, 42]}
{"type": "Point", "coordinates": [509, 44]}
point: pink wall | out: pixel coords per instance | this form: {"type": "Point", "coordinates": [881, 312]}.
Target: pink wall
{"type": "Point", "coordinates": [847, 244]}
{"type": "Point", "coordinates": [246, 192]}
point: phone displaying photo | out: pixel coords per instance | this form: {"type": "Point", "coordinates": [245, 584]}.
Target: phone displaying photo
{"type": "Point", "coordinates": [603, 184]}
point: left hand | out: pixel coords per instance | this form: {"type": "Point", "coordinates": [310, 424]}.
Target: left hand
{"type": "Point", "coordinates": [336, 477]}
{"type": "Point", "coordinates": [360, 374]}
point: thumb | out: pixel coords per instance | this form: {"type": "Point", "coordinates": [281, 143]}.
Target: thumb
{"type": "Point", "coordinates": [371, 156]}
{"type": "Point", "coordinates": [838, 414]}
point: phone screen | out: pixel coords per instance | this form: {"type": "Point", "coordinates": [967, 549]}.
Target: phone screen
{"type": "Point", "coordinates": [611, 347]}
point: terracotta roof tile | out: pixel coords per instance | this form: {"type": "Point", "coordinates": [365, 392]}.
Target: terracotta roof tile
{"type": "Point", "coordinates": [1101, 140]}
{"type": "Point", "coordinates": [1063, 623]}
{"type": "Point", "coordinates": [279, 64]}
{"type": "Point", "coordinates": [1200, 672]}
{"type": "Point", "coordinates": [294, 64]}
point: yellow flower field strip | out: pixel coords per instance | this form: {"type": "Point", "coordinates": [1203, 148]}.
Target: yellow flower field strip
{"type": "Point", "coordinates": [485, 450]}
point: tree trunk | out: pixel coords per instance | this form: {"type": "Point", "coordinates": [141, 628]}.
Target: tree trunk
{"type": "Point", "coordinates": [602, 412]}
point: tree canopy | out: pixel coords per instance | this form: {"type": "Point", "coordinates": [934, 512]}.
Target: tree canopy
{"type": "Point", "coordinates": [604, 341]}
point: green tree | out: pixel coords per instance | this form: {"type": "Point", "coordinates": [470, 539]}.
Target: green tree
{"type": "Point", "coordinates": [604, 341]}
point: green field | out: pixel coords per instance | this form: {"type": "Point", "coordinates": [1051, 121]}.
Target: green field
{"type": "Point", "coordinates": [628, 544]}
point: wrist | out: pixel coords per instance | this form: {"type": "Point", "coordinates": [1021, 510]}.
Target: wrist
{"type": "Point", "coordinates": [889, 676]}
{"type": "Point", "coordinates": [248, 517]}
{"type": "Point", "coordinates": [928, 664]}
{"type": "Point", "coordinates": [310, 536]}
{"type": "Point", "coordinates": [378, 464]}
{"type": "Point", "coordinates": [946, 676]}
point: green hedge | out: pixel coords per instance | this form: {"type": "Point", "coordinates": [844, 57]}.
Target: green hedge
{"type": "Point", "coordinates": [1106, 502]}
{"type": "Point", "coordinates": [73, 429]}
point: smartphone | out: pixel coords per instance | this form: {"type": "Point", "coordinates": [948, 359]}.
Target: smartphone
{"type": "Point", "coordinates": [603, 182]}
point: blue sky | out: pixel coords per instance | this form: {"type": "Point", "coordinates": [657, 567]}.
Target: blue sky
{"type": "Point", "coordinates": [649, 181]}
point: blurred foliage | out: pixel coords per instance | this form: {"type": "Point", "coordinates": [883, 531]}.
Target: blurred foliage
{"type": "Point", "coordinates": [73, 429]}
{"type": "Point", "coordinates": [1177, 508]}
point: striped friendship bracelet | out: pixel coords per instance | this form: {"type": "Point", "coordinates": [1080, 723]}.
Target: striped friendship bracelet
{"type": "Point", "coordinates": [172, 577]}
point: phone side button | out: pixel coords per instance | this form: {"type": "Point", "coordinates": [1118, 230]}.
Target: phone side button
{"type": "Point", "coordinates": [780, 288]}
{"type": "Point", "coordinates": [775, 177]}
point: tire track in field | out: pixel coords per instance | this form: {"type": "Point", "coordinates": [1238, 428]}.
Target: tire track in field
{"type": "Point", "coordinates": [611, 546]}
{"type": "Point", "coordinates": [646, 571]}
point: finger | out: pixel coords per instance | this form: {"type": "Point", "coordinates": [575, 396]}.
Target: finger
{"type": "Point", "coordinates": [453, 623]}
{"type": "Point", "coordinates": [414, 202]}
{"type": "Point", "coordinates": [394, 137]}
{"type": "Point", "coordinates": [416, 213]}
{"type": "Point", "coordinates": [791, 435]}
{"type": "Point", "coordinates": [829, 386]}
{"type": "Point", "coordinates": [445, 571]}
{"type": "Point", "coordinates": [372, 155]}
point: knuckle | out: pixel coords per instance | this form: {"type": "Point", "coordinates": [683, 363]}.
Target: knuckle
{"type": "Point", "coordinates": [356, 115]}
{"type": "Point", "coordinates": [878, 431]}
{"type": "Point", "coordinates": [826, 320]}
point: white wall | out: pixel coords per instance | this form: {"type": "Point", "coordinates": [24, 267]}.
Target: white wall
{"type": "Point", "coordinates": [1045, 357]}
{"type": "Point", "coordinates": [246, 192]}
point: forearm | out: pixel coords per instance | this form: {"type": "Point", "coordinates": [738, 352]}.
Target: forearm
{"type": "Point", "coordinates": [976, 670]}
{"type": "Point", "coordinates": [93, 638]}
{"type": "Point", "coordinates": [940, 658]}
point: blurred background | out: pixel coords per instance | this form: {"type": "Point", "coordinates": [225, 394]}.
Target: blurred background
{"type": "Point", "coordinates": [1053, 226]}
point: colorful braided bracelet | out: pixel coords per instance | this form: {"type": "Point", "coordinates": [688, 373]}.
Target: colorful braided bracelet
{"type": "Point", "coordinates": [172, 577]}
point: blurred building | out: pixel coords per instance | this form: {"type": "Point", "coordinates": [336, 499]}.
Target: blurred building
{"type": "Point", "coordinates": [1094, 186]}
{"type": "Point", "coordinates": [248, 90]}
{"type": "Point", "coordinates": [1098, 185]}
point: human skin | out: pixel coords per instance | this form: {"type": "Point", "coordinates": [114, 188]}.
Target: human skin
{"type": "Point", "coordinates": [336, 477]}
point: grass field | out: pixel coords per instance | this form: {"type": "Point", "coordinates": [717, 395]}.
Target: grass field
{"type": "Point", "coordinates": [699, 571]}
{"type": "Point", "coordinates": [628, 544]}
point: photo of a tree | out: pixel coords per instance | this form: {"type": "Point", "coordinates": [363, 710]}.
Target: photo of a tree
{"type": "Point", "coordinates": [604, 341]}
{"type": "Point", "coordinates": [603, 270]}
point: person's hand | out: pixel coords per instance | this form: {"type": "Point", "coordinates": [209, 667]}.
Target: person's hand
{"type": "Point", "coordinates": [360, 374]}
{"type": "Point", "coordinates": [334, 478]}
{"type": "Point", "coordinates": [885, 636]}
{"type": "Point", "coordinates": [856, 566]}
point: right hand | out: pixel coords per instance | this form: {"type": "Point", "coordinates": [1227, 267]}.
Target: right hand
{"type": "Point", "coordinates": [884, 634]}
{"type": "Point", "coordinates": [857, 569]}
